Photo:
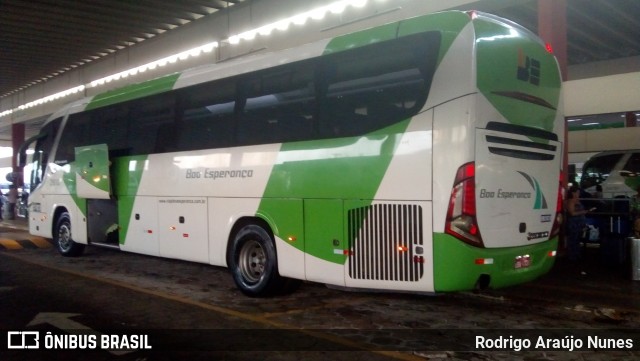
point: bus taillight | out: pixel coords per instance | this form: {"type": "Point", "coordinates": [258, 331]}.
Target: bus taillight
{"type": "Point", "coordinates": [461, 215]}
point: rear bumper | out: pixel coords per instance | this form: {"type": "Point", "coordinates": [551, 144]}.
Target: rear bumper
{"type": "Point", "coordinates": [456, 265]}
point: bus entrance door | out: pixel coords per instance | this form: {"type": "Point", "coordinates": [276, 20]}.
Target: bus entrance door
{"type": "Point", "coordinates": [92, 175]}
{"type": "Point", "coordinates": [93, 183]}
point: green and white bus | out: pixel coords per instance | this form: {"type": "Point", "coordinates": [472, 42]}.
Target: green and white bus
{"type": "Point", "coordinates": [422, 155]}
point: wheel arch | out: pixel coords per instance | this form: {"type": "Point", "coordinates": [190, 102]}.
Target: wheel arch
{"type": "Point", "coordinates": [59, 210]}
{"type": "Point", "coordinates": [243, 222]}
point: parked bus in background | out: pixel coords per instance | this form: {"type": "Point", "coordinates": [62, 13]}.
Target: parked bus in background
{"type": "Point", "coordinates": [423, 155]}
{"type": "Point", "coordinates": [616, 171]}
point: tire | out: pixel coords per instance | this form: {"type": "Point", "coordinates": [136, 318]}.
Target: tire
{"type": "Point", "coordinates": [253, 262]}
{"type": "Point", "coordinates": [63, 240]}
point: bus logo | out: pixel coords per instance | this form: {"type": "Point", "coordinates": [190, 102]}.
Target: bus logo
{"type": "Point", "coordinates": [528, 69]}
{"type": "Point", "coordinates": [540, 200]}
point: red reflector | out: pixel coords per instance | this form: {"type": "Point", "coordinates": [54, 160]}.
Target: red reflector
{"type": "Point", "coordinates": [149, 231]}
{"type": "Point", "coordinates": [549, 48]}
{"type": "Point", "coordinates": [418, 259]}
{"type": "Point", "coordinates": [484, 261]}
{"type": "Point", "coordinates": [185, 235]}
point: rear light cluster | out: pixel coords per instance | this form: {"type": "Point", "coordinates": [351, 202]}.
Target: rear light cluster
{"type": "Point", "coordinates": [461, 215]}
{"type": "Point", "coordinates": [557, 221]}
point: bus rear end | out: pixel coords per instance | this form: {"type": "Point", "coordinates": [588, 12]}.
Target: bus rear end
{"type": "Point", "coordinates": [503, 216]}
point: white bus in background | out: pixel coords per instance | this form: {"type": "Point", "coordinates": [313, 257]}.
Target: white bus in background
{"type": "Point", "coordinates": [617, 172]}
{"type": "Point", "coordinates": [423, 155]}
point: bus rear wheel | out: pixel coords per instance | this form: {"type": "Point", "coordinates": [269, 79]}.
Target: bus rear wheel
{"type": "Point", "coordinates": [63, 240]}
{"type": "Point", "coordinates": [253, 262]}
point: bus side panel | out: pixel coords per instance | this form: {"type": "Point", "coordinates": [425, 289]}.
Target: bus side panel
{"type": "Point", "coordinates": [455, 75]}
{"type": "Point", "coordinates": [453, 146]}
{"type": "Point", "coordinates": [142, 234]}
{"type": "Point", "coordinates": [223, 214]}
{"type": "Point", "coordinates": [285, 218]}
{"type": "Point", "coordinates": [182, 228]}
{"type": "Point", "coordinates": [408, 176]}
{"type": "Point", "coordinates": [325, 241]}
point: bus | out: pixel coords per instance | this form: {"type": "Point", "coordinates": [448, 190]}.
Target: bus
{"type": "Point", "coordinates": [616, 171]}
{"type": "Point", "coordinates": [423, 156]}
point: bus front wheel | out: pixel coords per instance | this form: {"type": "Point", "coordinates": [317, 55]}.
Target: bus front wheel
{"type": "Point", "coordinates": [253, 262]}
{"type": "Point", "coordinates": [63, 240]}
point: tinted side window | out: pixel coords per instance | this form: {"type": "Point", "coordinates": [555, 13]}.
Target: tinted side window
{"type": "Point", "coordinates": [152, 124]}
{"type": "Point", "coordinates": [76, 132]}
{"type": "Point", "coordinates": [279, 105]}
{"type": "Point", "coordinates": [103, 125]}
{"type": "Point", "coordinates": [207, 117]}
{"type": "Point", "coordinates": [42, 151]}
{"type": "Point", "coordinates": [632, 167]}
{"type": "Point", "coordinates": [375, 86]}
{"type": "Point", "coordinates": [597, 169]}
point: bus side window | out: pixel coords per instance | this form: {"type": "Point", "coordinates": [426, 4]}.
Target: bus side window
{"type": "Point", "coordinates": [632, 167]}
{"type": "Point", "coordinates": [42, 151]}
{"type": "Point", "coordinates": [146, 117]}
{"type": "Point", "coordinates": [597, 169]}
{"type": "Point", "coordinates": [76, 132]}
{"type": "Point", "coordinates": [279, 107]}
{"type": "Point", "coordinates": [375, 86]}
{"type": "Point", "coordinates": [207, 116]}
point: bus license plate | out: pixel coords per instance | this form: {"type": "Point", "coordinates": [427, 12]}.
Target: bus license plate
{"type": "Point", "coordinates": [522, 262]}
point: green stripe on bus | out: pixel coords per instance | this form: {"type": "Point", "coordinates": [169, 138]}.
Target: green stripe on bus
{"type": "Point", "coordinates": [134, 91]}
{"type": "Point", "coordinates": [343, 168]}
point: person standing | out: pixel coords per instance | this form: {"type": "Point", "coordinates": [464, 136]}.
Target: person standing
{"type": "Point", "coordinates": [576, 224]}
{"type": "Point", "coordinates": [635, 213]}
{"type": "Point", "coordinates": [12, 199]}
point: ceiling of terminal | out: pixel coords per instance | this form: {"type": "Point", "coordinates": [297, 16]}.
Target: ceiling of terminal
{"type": "Point", "coordinates": [40, 39]}
{"type": "Point", "coordinates": [596, 29]}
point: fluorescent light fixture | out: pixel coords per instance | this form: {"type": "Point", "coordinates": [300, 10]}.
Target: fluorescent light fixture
{"type": "Point", "coordinates": [336, 7]}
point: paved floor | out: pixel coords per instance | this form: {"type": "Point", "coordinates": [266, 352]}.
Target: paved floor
{"type": "Point", "coordinates": [107, 289]}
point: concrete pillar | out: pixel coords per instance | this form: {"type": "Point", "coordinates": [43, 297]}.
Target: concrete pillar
{"type": "Point", "coordinates": [630, 119]}
{"type": "Point", "coordinates": [17, 138]}
{"type": "Point", "coordinates": [552, 28]}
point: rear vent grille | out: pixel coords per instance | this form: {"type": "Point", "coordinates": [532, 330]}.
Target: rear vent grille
{"type": "Point", "coordinates": [511, 144]}
{"type": "Point", "coordinates": [386, 242]}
